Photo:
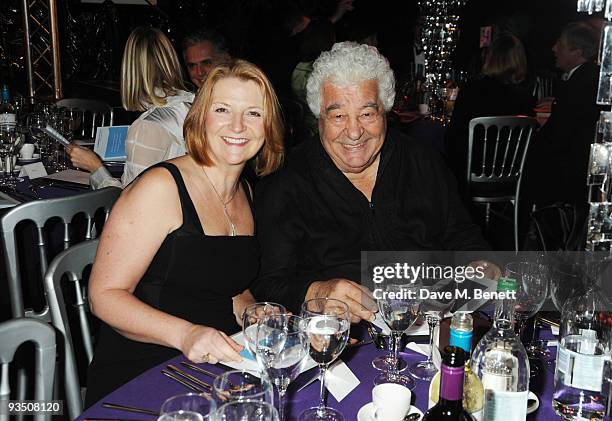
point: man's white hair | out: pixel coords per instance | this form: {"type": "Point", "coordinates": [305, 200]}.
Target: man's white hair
{"type": "Point", "coordinates": [349, 64]}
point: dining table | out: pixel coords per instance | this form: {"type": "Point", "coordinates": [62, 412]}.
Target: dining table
{"type": "Point", "coordinates": [151, 388]}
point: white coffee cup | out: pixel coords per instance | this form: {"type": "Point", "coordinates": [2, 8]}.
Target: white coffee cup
{"type": "Point", "coordinates": [27, 151]}
{"type": "Point", "coordinates": [391, 402]}
{"type": "Point", "coordinates": [423, 109]}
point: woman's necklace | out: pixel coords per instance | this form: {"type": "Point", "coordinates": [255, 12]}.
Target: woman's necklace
{"type": "Point", "coordinates": [224, 204]}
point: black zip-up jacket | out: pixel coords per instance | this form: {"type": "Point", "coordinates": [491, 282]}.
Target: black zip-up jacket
{"type": "Point", "coordinates": [312, 223]}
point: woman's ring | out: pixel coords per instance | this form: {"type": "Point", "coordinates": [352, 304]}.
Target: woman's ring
{"type": "Point", "coordinates": [206, 357]}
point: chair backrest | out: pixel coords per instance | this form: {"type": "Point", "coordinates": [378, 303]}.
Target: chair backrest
{"type": "Point", "coordinates": [92, 113]}
{"type": "Point", "coordinates": [16, 332]}
{"type": "Point", "coordinates": [497, 147]}
{"type": "Point", "coordinates": [71, 263]}
{"type": "Point", "coordinates": [39, 212]}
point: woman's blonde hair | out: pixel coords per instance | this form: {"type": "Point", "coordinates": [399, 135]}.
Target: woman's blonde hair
{"type": "Point", "coordinates": [150, 70]}
{"type": "Point", "coordinates": [506, 59]}
{"type": "Point", "coordinates": [270, 155]}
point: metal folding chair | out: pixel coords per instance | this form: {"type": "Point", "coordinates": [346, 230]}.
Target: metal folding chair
{"type": "Point", "coordinates": [39, 212]}
{"type": "Point", "coordinates": [71, 263]}
{"type": "Point", "coordinates": [496, 156]}
{"type": "Point", "coordinates": [16, 332]}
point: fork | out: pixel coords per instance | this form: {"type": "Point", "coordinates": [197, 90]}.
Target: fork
{"type": "Point", "coordinates": [189, 377]}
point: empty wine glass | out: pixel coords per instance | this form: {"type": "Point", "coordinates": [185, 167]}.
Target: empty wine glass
{"type": "Point", "coordinates": [10, 142]}
{"type": "Point", "coordinates": [440, 299]}
{"type": "Point", "coordinates": [282, 345]}
{"type": "Point", "coordinates": [567, 281]}
{"type": "Point", "coordinates": [187, 407]}
{"type": "Point", "coordinates": [399, 307]}
{"type": "Point", "coordinates": [532, 280]}
{"type": "Point", "coordinates": [241, 385]}
{"type": "Point", "coordinates": [251, 316]}
{"type": "Point", "coordinates": [327, 323]}
{"type": "Point", "coordinates": [246, 411]}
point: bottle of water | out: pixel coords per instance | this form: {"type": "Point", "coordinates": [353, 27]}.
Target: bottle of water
{"type": "Point", "coordinates": [501, 363]}
{"type": "Point", "coordinates": [7, 114]}
{"type": "Point", "coordinates": [582, 352]}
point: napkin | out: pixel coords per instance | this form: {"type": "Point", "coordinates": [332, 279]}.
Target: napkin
{"type": "Point", "coordinates": [555, 330]}
{"type": "Point", "coordinates": [72, 176]}
{"type": "Point", "coordinates": [35, 170]}
{"type": "Point", "coordinates": [340, 380]}
{"type": "Point", "coordinates": [418, 348]}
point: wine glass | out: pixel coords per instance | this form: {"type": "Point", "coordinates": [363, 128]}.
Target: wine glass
{"type": "Point", "coordinates": [399, 307]}
{"type": "Point", "coordinates": [567, 281]}
{"type": "Point", "coordinates": [246, 411]}
{"type": "Point", "coordinates": [532, 282]}
{"type": "Point", "coordinates": [433, 309]}
{"type": "Point", "coordinates": [10, 142]}
{"type": "Point", "coordinates": [241, 385]}
{"type": "Point", "coordinates": [250, 318]}
{"type": "Point", "coordinates": [327, 323]}
{"type": "Point", "coordinates": [187, 407]}
{"type": "Point", "coordinates": [282, 345]}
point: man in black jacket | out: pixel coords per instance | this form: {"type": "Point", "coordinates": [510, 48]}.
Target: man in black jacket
{"type": "Point", "coordinates": [558, 160]}
{"type": "Point", "coordinates": [362, 187]}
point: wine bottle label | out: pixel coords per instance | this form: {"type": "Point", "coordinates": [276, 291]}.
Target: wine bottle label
{"type": "Point", "coordinates": [451, 383]}
{"type": "Point", "coordinates": [461, 339]}
{"type": "Point", "coordinates": [580, 371]}
{"type": "Point", "coordinates": [507, 406]}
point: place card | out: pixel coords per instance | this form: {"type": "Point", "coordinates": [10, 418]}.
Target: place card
{"type": "Point", "coordinates": [340, 380]}
{"type": "Point", "coordinates": [35, 170]}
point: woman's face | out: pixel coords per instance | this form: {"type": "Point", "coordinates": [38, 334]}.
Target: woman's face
{"type": "Point", "coordinates": [235, 121]}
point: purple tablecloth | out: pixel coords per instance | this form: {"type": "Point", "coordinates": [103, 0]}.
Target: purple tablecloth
{"type": "Point", "coordinates": [151, 388]}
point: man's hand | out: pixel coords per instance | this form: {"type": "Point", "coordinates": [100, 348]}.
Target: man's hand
{"type": "Point", "coordinates": [358, 298]}
{"type": "Point", "coordinates": [83, 158]}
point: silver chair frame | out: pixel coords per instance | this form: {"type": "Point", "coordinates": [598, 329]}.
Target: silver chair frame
{"type": "Point", "coordinates": [507, 163]}
{"type": "Point", "coordinates": [99, 111]}
{"type": "Point", "coordinates": [40, 212]}
{"type": "Point", "coordinates": [16, 332]}
{"type": "Point", "coordinates": [70, 262]}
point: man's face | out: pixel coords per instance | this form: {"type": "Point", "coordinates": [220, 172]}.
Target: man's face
{"type": "Point", "coordinates": [566, 58]}
{"type": "Point", "coordinates": [352, 125]}
{"type": "Point", "coordinates": [200, 59]}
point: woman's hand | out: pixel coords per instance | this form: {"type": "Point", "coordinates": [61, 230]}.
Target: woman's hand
{"type": "Point", "coordinates": [203, 344]}
{"type": "Point", "coordinates": [83, 158]}
{"type": "Point", "coordinates": [240, 302]}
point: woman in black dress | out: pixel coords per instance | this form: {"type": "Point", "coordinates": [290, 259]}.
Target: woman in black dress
{"type": "Point", "coordinates": [500, 91]}
{"type": "Point", "coordinates": [179, 243]}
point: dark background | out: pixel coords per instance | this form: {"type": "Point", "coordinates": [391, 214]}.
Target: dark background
{"type": "Point", "coordinates": [92, 36]}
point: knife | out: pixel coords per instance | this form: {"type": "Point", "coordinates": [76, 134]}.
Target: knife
{"type": "Point", "coordinates": [129, 408]}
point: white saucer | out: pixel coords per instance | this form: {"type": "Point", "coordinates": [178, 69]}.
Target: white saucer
{"type": "Point", "coordinates": [534, 407]}
{"type": "Point", "coordinates": [366, 413]}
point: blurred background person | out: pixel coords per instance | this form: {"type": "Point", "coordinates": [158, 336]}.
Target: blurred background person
{"type": "Point", "coordinates": [202, 50]}
{"type": "Point", "coordinates": [151, 82]}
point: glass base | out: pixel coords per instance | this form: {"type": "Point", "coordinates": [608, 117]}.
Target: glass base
{"type": "Point", "coordinates": [386, 363]}
{"type": "Point", "coordinates": [394, 378]}
{"type": "Point", "coordinates": [321, 414]}
{"type": "Point", "coordinates": [423, 370]}
{"type": "Point", "coordinates": [537, 350]}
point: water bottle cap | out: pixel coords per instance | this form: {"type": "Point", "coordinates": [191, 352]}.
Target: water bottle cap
{"type": "Point", "coordinates": [506, 284]}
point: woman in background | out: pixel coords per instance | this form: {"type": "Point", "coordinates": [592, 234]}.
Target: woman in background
{"type": "Point", "coordinates": [499, 92]}
{"type": "Point", "coordinates": [193, 221]}
{"type": "Point", "coordinates": [151, 81]}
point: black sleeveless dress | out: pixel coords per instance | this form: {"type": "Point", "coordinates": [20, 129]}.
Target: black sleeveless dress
{"type": "Point", "coordinates": [192, 276]}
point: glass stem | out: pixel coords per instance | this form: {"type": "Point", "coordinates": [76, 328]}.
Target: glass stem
{"type": "Point", "coordinates": [396, 337]}
{"type": "Point", "coordinates": [521, 327]}
{"type": "Point", "coordinates": [322, 371]}
{"type": "Point", "coordinates": [432, 322]}
{"type": "Point", "coordinates": [281, 403]}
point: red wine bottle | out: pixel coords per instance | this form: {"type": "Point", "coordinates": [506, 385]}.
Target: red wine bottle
{"type": "Point", "coordinates": [450, 404]}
